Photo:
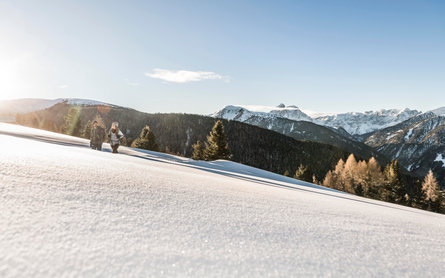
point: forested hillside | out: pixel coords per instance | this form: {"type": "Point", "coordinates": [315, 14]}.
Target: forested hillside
{"type": "Point", "coordinates": [176, 133]}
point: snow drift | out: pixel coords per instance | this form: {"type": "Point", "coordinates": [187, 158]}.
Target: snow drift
{"type": "Point", "coordinates": [67, 210]}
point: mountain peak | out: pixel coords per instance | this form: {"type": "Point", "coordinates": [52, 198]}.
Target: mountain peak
{"type": "Point", "coordinates": [439, 111]}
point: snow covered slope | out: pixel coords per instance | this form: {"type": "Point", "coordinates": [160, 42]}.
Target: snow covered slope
{"type": "Point", "coordinates": [66, 210]}
{"type": "Point", "coordinates": [355, 123]}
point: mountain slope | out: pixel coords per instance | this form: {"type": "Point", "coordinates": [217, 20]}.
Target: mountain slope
{"type": "Point", "coordinates": [417, 143]}
{"type": "Point", "coordinates": [148, 214]}
{"type": "Point", "coordinates": [177, 133]}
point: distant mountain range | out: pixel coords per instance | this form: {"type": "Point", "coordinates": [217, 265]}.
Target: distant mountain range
{"type": "Point", "coordinates": [355, 123]}
{"type": "Point", "coordinates": [416, 139]}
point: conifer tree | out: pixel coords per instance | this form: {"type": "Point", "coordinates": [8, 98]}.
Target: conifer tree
{"type": "Point", "coordinates": [330, 180]}
{"type": "Point", "coordinates": [394, 190]}
{"type": "Point", "coordinates": [100, 122]}
{"type": "Point", "coordinates": [361, 178]}
{"type": "Point", "coordinates": [338, 176]}
{"type": "Point", "coordinates": [349, 174]}
{"type": "Point", "coordinates": [87, 130]}
{"type": "Point", "coordinates": [216, 145]}
{"type": "Point", "coordinates": [432, 193]}
{"type": "Point", "coordinates": [72, 124]}
{"type": "Point", "coordinates": [147, 140]}
{"type": "Point", "coordinates": [375, 179]}
{"type": "Point", "coordinates": [303, 173]}
{"type": "Point", "coordinates": [198, 151]}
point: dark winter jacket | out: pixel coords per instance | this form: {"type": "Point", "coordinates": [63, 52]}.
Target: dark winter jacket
{"type": "Point", "coordinates": [97, 135]}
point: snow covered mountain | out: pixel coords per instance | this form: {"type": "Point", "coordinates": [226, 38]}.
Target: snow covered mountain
{"type": "Point", "coordinates": [355, 123]}
{"type": "Point", "coordinates": [439, 111]}
{"type": "Point", "coordinates": [243, 113]}
{"type": "Point", "coordinates": [292, 122]}
{"type": "Point", "coordinates": [26, 105]}
{"type": "Point", "coordinates": [149, 214]}
{"type": "Point", "coordinates": [418, 143]}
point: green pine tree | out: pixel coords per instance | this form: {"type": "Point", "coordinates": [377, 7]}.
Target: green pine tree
{"type": "Point", "coordinates": [147, 140]}
{"type": "Point", "coordinates": [216, 145]}
{"type": "Point", "coordinates": [303, 173]}
{"type": "Point", "coordinates": [393, 189]}
{"type": "Point", "coordinates": [198, 151]}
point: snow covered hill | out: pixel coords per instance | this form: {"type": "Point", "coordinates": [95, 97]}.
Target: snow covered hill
{"type": "Point", "coordinates": [68, 211]}
{"type": "Point", "coordinates": [354, 123]}
{"type": "Point", "coordinates": [26, 105]}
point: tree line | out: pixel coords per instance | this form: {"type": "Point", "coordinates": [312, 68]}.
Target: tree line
{"type": "Point", "coordinates": [368, 180]}
{"type": "Point", "coordinates": [313, 162]}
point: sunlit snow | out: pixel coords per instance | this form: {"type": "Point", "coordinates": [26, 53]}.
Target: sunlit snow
{"type": "Point", "coordinates": [69, 211]}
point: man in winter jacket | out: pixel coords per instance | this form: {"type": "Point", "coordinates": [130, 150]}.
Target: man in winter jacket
{"type": "Point", "coordinates": [97, 137]}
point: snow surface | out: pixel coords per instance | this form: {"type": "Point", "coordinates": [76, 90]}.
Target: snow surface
{"type": "Point", "coordinates": [408, 134]}
{"type": "Point", "coordinates": [69, 211]}
{"type": "Point", "coordinates": [440, 158]}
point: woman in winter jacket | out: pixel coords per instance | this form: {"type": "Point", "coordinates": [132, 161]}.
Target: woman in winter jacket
{"type": "Point", "coordinates": [115, 136]}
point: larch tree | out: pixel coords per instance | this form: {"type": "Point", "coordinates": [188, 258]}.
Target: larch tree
{"type": "Point", "coordinates": [330, 180]}
{"type": "Point", "coordinates": [432, 193]}
{"type": "Point", "coordinates": [100, 122]}
{"type": "Point", "coordinates": [303, 173]}
{"type": "Point", "coordinates": [375, 177]}
{"type": "Point", "coordinates": [349, 174]}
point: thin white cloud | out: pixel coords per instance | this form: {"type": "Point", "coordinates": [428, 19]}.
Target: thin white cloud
{"type": "Point", "coordinates": [64, 86]}
{"type": "Point", "coordinates": [130, 83]}
{"type": "Point", "coordinates": [183, 76]}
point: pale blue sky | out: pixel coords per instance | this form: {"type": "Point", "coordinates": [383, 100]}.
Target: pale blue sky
{"type": "Point", "coordinates": [325, 56]}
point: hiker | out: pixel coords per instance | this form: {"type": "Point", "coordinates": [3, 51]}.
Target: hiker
{"type": "Point", "coordinates": [115, 136]}
{"type": "Point", "coordinates": [97, 137]}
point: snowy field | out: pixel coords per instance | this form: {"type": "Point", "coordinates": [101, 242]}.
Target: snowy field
{"type": "Point", "coordinates": [69, 211]}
